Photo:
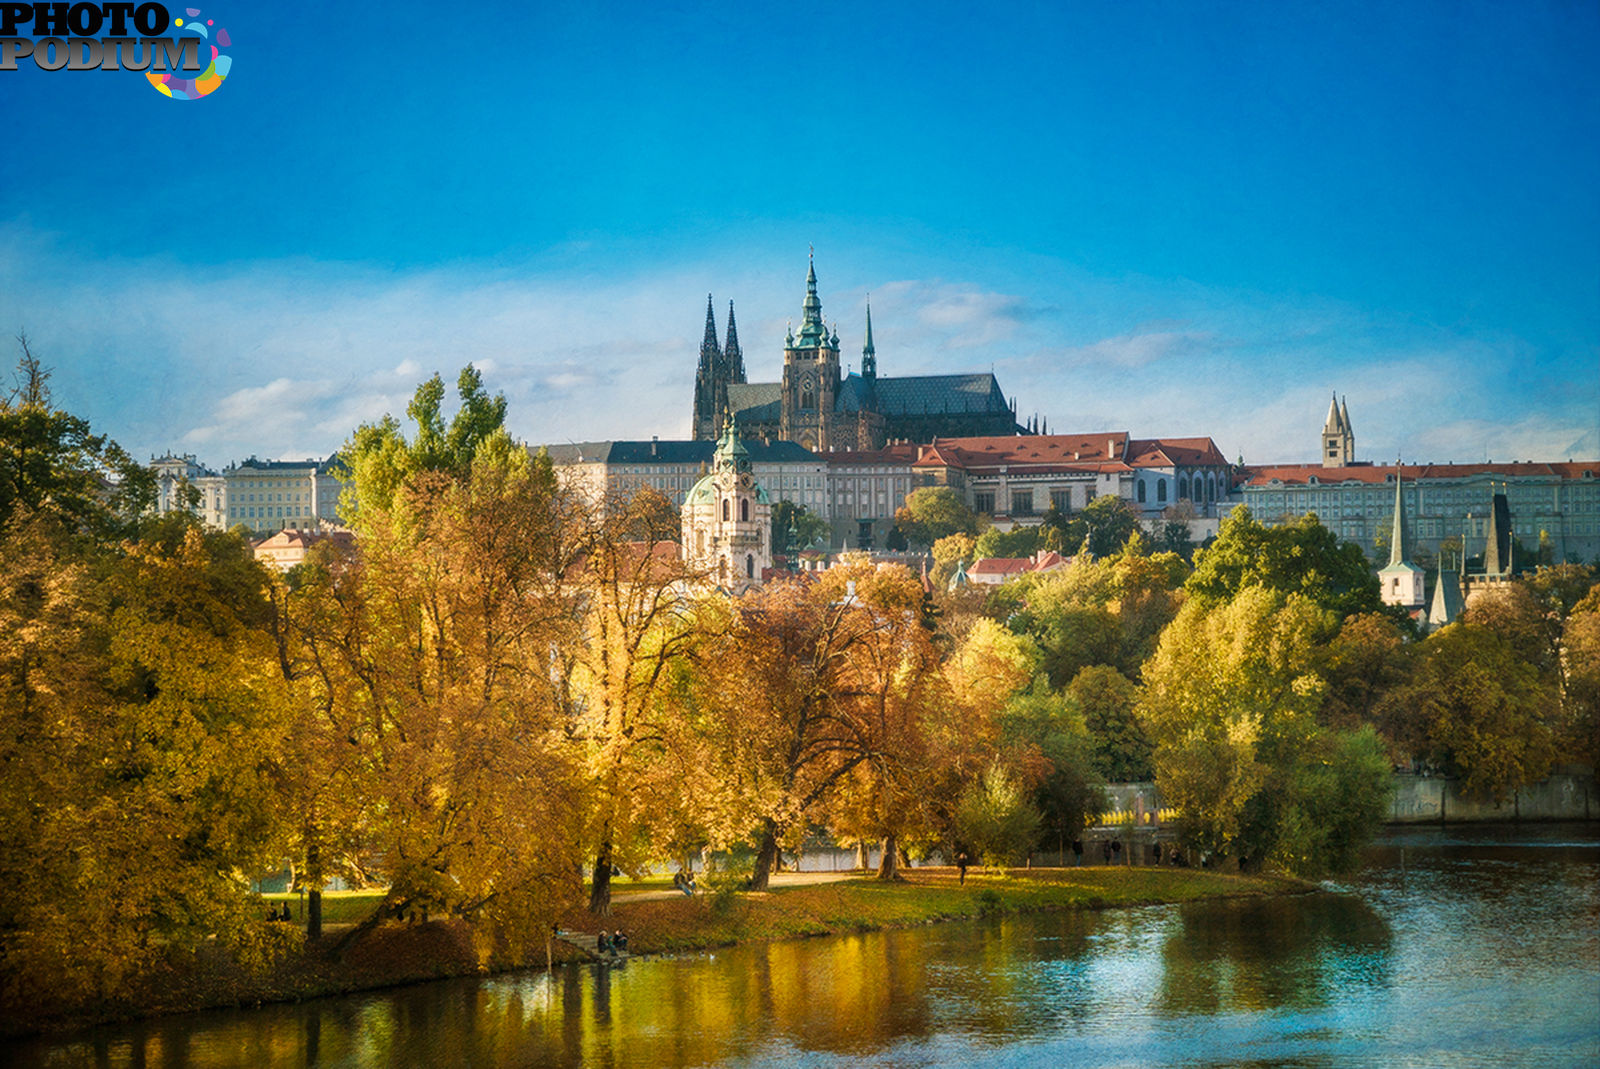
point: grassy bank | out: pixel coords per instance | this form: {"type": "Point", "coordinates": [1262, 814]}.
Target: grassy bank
{"type": "Point", "coordinates": [394, 954]}
{"type": "Point", "coordinates": [679, 924]}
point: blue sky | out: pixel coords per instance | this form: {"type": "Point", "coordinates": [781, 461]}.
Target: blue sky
{"type": "Point", "coordinates": [1168, 218]}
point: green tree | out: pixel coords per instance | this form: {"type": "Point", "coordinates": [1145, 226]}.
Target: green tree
{"type": "Point", "coordinates": [933, 512]}
{"type": "Point", "coordinates": [1230, 700]}
{"type": "Point", "coordinates": [807, 526]}
{"type": "Point", "coordinates": [996, 817]}
{"type": "Point", "coordinates": [1043, 735]}
{"type": "Point", "coordinates": [1107, 700]}
{"type": "Point", "coordinates": [1017, 542]}
{"type": "Point", "coordinates": [381, 459]}
{"type": "Point", "coordinates": [1300, 557]}
{"type": "Point", "coordinates": [53, 465]}
{"type": "Point", "coordinates": [1110, 521]}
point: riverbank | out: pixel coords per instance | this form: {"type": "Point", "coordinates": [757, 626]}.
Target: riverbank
{"type": "Point", "coordinates": [398, 954]}
{"type": "Point", "coordinates": [925, 896]}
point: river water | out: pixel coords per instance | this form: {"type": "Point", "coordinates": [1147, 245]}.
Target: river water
{"type": "Point", "coordinates": [1452, 947]}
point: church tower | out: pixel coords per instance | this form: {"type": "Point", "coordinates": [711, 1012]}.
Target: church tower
{"type": "Point", "coordinates": [1338, 441]}
{"type": "Point", "coordinates": [1401, 582]}
{"type": "Point", "coordinates": [810, 375]}
{"type": "Point", "coordinates": [708, 378]}
{"type": "Point", "coordinates": [727, 519]}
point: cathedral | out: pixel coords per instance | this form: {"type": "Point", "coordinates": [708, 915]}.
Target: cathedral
{"type": "Point", "coordinates": [820, 407]}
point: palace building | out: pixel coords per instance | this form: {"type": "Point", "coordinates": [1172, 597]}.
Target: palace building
{"type": "Point", "coordinates": [821, 407]}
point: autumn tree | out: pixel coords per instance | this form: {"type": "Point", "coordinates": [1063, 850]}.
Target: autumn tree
{"type": "Point", "coordinates": [439, 658]}
{"type": "Point", "coordinates": [795, 686]}
{"type": "Point", "coordinates": [1485, 709]}
{"type": "Point", "coordinates": [634, 626]}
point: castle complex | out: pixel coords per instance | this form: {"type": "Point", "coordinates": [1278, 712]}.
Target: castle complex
{"type": "Point", "coordinates": [818, 406]}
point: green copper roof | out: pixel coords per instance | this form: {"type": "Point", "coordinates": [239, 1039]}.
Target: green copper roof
{"type": "Point", "coordinates": [813, 335]}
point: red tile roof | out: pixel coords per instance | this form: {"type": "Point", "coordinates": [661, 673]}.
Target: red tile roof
{"type": "Point", "coordinates": [1302, 474]}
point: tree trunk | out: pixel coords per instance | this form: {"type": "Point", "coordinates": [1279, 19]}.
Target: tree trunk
{"type": "Point", "coordinates": [765, 856]}
{"type": "Point", "coordinates": [889, 867]}
{"type": "Point", "coordinates": [600, 888]}
{"type": "Point", "coordinates": [314, 889]}
{"type": "Point", "coordinates": [863, 858]}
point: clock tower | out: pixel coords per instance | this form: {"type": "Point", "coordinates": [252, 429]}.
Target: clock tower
{"type": "Point", "coordinates": [810, 375]}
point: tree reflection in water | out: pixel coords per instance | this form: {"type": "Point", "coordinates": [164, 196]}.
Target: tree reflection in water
{"type": "Point", "coordinates": [1256, 954]}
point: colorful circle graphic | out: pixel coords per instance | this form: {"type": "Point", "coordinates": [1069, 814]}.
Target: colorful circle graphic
{"type": "Point", "coordinates": [173, 83]}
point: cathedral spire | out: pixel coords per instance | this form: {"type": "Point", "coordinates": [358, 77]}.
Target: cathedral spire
{"type": "Point", "coordinates": [869, 354]}
{"type": "Point", "coordinates": [732, 355]}
{"type": "Point", "coordinates": [708, 345]}
{"type": "Point", "coordinates": [813, 334]}
{"type": "Point", "coordinates": [1397, 537]}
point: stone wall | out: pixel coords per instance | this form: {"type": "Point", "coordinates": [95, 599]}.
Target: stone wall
{"type": "Point", "coordinates": [1436, 800]}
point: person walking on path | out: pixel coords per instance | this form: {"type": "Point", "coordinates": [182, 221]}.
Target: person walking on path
{"type": "Point", "coordinates": [961, 866]}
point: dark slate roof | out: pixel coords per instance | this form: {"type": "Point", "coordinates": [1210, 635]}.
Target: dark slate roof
{"type": "Point", "coordinates": [334, 464]}
{"type": "Point", "coordinates": [903, 395]}
{"type": "Point", "coordinates": [917, 395]}
{"type": "Point", "coordinates": [663, 451]}
{"type": "Point", "coordinates": [756, 402]}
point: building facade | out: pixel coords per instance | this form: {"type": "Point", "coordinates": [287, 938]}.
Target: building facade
{"type": "Point", "coordinates": [618, 470]}
{"type": "Point", "coordinates": [270, 495]}
{"type": "Point", "coordinates": [1545, 507]}
{"type": "Point", "coordinates": [1016, 480]}
{"type": "Point", "coordinates": [174, 473]}
{"type": "Point", "coordinates": [820, 406]}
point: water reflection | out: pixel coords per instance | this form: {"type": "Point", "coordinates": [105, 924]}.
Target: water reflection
{"type": "Point", "coordinates": [1470, 950]}
{"type": "Point", "coordinates": [1258, 954]}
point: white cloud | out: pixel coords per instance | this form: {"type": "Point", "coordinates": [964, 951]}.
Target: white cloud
{"type": "Point", "coordinates": [287, 358]}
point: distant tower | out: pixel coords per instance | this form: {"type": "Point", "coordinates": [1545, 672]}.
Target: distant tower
{"type": "Point", "coordinates": [707, 380]}
{"type": "Point", "coordinates": [727, 519]}
{"type": "Point", "coordinates": [869, 357]}
{"type": "Point", "coordinates": [732, 355]}
{"type": "Point", "coordinates": [1338, 441]}
{"type": "Point", "coordinates": [1447, 598]}
{"type": "Point", "coordinates": [1497, 563]}
{"type": "Point", "coordinates": [810, 375]}
{"type": "Point", "coordinates": [1402, 583]}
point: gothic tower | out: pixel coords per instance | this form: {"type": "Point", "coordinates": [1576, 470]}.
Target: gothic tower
{"type": "Point", "coordinates": [707, 379]}
{"type": "Point", "coordinates": [1338, 442]}
{"type": "Point", "coordinates": [732, 358]}
{"type": "Point", "coordinates": [810, 375]}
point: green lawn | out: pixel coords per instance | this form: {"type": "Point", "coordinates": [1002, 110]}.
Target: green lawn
{"type": "Point", "coordinates": [338, 907]}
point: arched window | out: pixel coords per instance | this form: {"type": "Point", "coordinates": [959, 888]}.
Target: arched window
{"type": "Point", "coordinates": [1161, 490]}
{"type": "Point", "coordinates": [700, 542]}
{"type": "Point", "coordinates": [1211, 488]}
{"type": "Point", "coordinates": [1141, 493]}
{"type": "Point", "coordinates": [724, 510]}
{"type": "Point", "coordinates": [749, 566]}
{"type": "Point", "coordinates": [744, 510]}
{"type": "Point", "coordinates": [808, 401]}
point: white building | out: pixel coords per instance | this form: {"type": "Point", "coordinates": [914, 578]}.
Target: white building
{"type": "Point", "coordinates": [269, 495]}
{"type": "Point", "coordinates": [727, 519]}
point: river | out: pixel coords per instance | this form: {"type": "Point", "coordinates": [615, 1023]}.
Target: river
{"type": "Point", "coordinates": [1452, 947]}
